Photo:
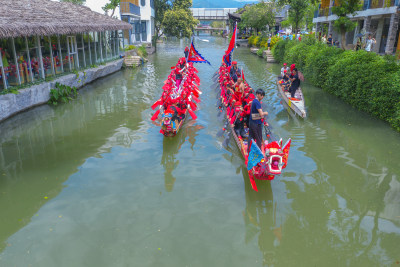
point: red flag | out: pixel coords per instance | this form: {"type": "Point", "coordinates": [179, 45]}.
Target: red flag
{"type": "Point", "coordinates": [195, 56]}
{"type": "Point", "coordinates": [228, 53]}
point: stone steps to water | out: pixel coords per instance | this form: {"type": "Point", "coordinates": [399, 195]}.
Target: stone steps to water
{"type": "Point", "coordinates": [133, 61]}
{"type": "Point", "coordinates": [267, 54]}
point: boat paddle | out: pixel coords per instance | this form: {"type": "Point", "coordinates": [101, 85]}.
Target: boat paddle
{"type": "Point", "coordinates": [155, 116]}
{"type": "Point", "coordinates": [268, 130]}
{"type": "Point", "coordinates": [194, 117]}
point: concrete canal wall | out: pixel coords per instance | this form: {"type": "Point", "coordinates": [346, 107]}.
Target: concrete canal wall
{"type": "Point", "coordinates": [12, 104]}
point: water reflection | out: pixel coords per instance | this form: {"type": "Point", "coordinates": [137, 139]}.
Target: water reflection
{"type": "Point", "coordinates": [260, 219]}
{"type": "Point", "coordinates": [41, 148]}
{"type": "Point", "coordinates": [171, 147]}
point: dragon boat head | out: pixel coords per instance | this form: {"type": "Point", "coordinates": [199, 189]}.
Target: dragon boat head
{"type": "Point", "coordinates": [275, 160]}
{"type": "Point", "coordinates": [167, 123]}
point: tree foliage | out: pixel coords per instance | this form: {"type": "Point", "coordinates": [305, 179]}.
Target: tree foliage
{"type": "Point", "coordinates": [111, 5]}
{"type": "Point", "coordinates": [343, 23]}
{"type": "Point", "coordinates": [298, 12]}
{"type": "Point", "coordinates": [258, 16]}
{"type": "Point", "coordinates": [179, 21]}
{"type": "Point", "coordinates": [160, 6]}
{"type": "Point", "coordinates": [77, 2]}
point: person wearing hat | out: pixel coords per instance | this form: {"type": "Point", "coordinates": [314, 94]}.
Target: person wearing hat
{"type": "Point", "coordinates": [186, 52]}
{"type": "Point", "coordinates": [285, 80]}
{"type": "Point", "coordinates": [285, 67]}
{"type": "Point", "coordinates": [235, 72]}
{"type": "Point", "coordinates": [178, 76]}
{"type": "Point", "coordinates": [295, 83]}
{"type": "Point", "coordinates": [239, 120]}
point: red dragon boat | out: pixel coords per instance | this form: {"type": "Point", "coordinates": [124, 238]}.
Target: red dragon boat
{"type": "Point", "coordinates": [179, 97]}
{"type": "Point", "coordinates": [273, 155]}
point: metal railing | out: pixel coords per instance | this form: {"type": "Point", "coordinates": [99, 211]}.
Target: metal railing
{"type": "Point", "coordinates": [129, 8]}
{"type": "Point", "coordinates": [372, 4]}
{"type": "Point", "coordinates": [367, 4]}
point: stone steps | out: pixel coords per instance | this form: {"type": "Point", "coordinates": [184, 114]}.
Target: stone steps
{"type": "Point", "coordinates": [268, 55]}
{"type": "Point", "coordinates": [132, 61]}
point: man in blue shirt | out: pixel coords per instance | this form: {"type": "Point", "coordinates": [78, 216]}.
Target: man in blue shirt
{"type": "Point", "coordinates": [256, 114]}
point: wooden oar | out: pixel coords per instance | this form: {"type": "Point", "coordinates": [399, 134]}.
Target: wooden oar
{"type": "Point", "coordinates": [155, 116]}
{"type": "Point", "coordinates": [192, 114]}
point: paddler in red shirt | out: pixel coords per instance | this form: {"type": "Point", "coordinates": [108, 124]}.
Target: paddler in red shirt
{"type": "Point", "coordinates": [239, 89]}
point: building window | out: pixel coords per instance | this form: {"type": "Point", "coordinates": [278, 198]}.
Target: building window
{"type": "Point", "coordinates": [143, 2]}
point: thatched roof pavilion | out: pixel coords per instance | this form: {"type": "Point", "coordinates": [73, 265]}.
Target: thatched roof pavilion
{"type": "Point", "coordinates": [45, 17]}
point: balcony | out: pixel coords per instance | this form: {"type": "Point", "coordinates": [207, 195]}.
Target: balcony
{"type": "Point", "coordinates": [372, 4]}
{"type": "Point", "coordinates": [366, 4]}
{"type": "Point", "coordinates": [129, 8]}
{"type": "Point", "coordinates": [323, 12]}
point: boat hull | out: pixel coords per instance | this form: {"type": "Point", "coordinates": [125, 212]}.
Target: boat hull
{"type": "Point", "coordinates": [298, 107]}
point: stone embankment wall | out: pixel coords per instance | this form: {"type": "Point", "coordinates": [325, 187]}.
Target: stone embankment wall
{"type": "Point", "coordinates": [12, 104]}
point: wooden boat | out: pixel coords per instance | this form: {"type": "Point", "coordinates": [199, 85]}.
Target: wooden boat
{"type": "Point", "coordinates": [275, 154]}
{"type": "Point", "coordinates": [296, 104]}
{"type": "Point", "coordinates": [187, 92]}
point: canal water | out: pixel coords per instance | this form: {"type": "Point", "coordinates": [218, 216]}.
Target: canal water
{"type": "Point", "coordinates": [94, 183]}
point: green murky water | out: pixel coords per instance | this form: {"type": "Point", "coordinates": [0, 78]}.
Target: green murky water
{"type": "Point", "coordinates": [93, 183]}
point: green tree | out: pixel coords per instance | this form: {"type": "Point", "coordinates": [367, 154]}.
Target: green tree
{"type": "Point", "coordinates": [112, 5]}
{"type": "Point", "coordinates": [297, 12]}
{"type": "Point", "coordinates": [160, 6]}
{"type": "Point", "coordinates": [258, 16]}
{"type": "Point", "coordinates": [77, 2]}
{"type": "Point", "coordinates": [343, 23]}
{"type": "Point", "coordinates": [179, 20]}
{"type": "Point", "coordinates": [217, 24]}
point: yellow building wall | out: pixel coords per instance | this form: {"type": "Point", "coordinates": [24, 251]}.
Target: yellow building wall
{"type": "Point", "coordinates": [325, 3]}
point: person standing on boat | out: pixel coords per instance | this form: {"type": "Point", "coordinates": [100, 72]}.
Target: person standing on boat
{"type": "Point", "coordinates": [235, 72]}
{"type": "Point", "coordinates": [255, 129]}
{"type": "Point", "coordinates": [186, 52]}
{"type": "Point", "coordinates": [295, 83]}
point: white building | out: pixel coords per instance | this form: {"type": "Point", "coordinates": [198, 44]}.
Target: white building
{"type": "Point", "coordinates": [139, 13]}
{"type": "Point", "coordinates": [380, 18]}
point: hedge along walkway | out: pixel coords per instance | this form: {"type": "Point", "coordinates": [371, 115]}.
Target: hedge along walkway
{"type": "Point", "coordinates": [367, 81]}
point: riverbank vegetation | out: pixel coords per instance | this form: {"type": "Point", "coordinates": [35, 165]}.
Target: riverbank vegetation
{"type": "Point", "coordinates": [367, 81]}
{"type": "Point", "coordinates": [62, 94]}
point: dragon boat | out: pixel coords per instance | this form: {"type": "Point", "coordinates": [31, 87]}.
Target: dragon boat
{"type": "Point", "coordinates": [267, 161]}
{"type": "Point", "coordinates": [179, 98]}
{"type": "Point", "coordinates": [275, 154]}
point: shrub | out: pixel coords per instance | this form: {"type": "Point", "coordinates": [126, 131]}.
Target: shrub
{"type": "Point", "coordinates": [260, 52]}
{"type": "Point", "coordinates": [62, 94]}
{"type": "Point", "coordinates": [142, 51]}
{"type": "Point", "coordinates": [130, 47]}
{"type": "Point", "coordinates": [275, 39]}
{"type": "Point", "coordinates": [251, 40]}
{"type": "Point", "coordinates": [366, 81]}
{"type": "Point", "coordinates": [256, 40]}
